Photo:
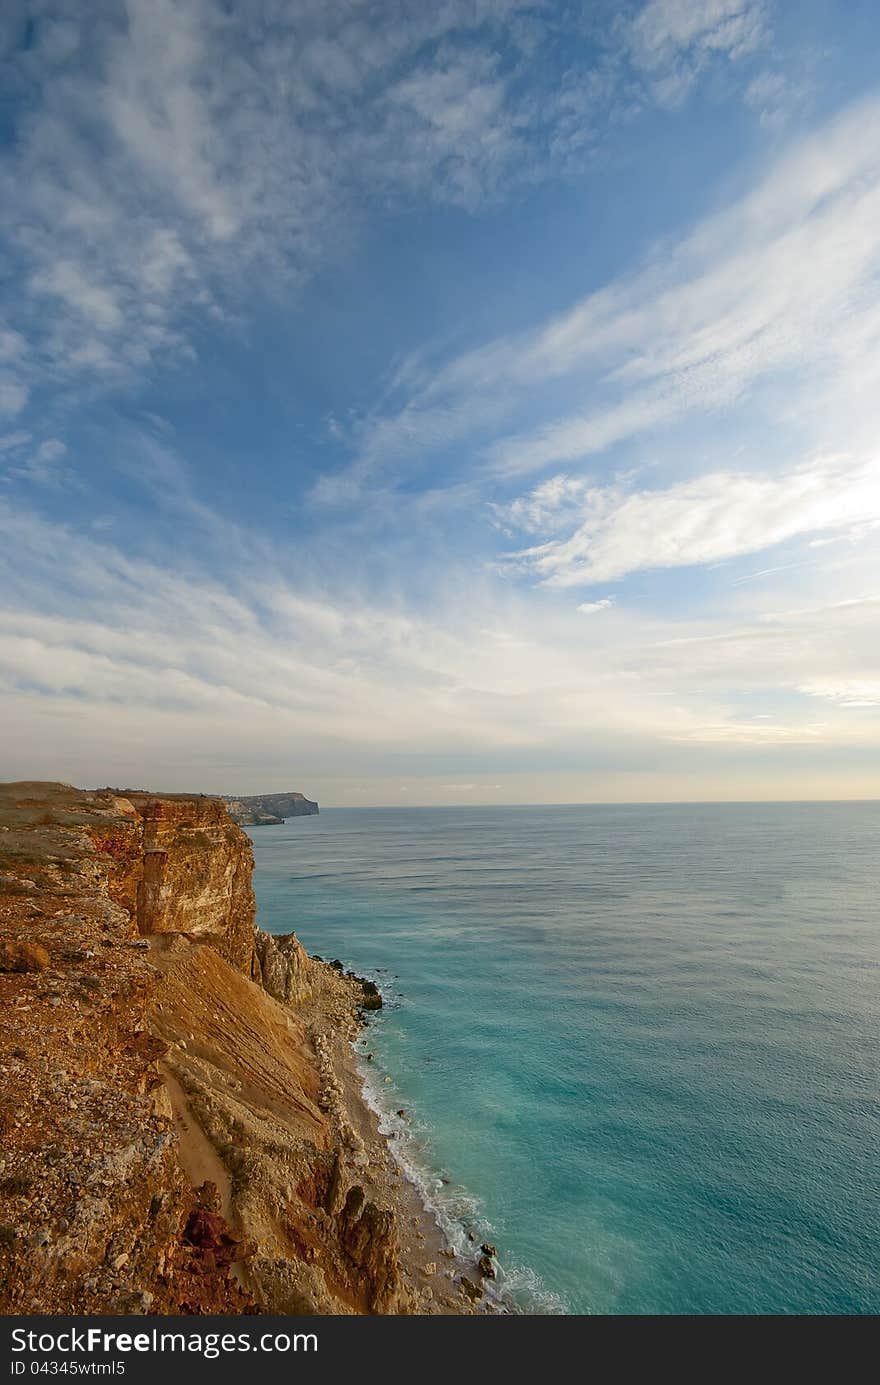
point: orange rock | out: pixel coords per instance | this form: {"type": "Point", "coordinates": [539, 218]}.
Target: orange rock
{"type": "Point", "coordinates": [21, 956]}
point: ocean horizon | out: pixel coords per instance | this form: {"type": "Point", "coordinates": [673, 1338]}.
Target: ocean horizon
{"type": "Point", "coordinates": [635, 1045]}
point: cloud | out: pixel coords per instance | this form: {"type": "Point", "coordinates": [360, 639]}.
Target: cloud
{"type": "Point", "coordinates": [547, 507]}
{"type": "Point", "coordinates": [12, 345]}
{"type": "Point", "coordinates": [722, 515]}
{"type": "Point", "coordinates": [770, 303]}
{"type": "Point", "coordinates": [665, 28]}
{"type": "Point", "coordinates": [40, 465]}
{"type": "Point", "coordinates": [758, 733]}
{"type": "Point", "coordinates": [859, 692]}
{"type": "Point", "coordinates": [183, 662]}
{"type": "Point", "coordinates": [23, 458]}
{"type": "Point", "coordinates": [589, 608]}
{"type": "Point", "coordinates": [783, 281]}
{"type": "Point", "coordinates": [775, 97]}
{"type": "Point", "coordinates": [773, 660]}
{"type": "Point", "coordinates": [672, 40]}
{"type": "Point", "coordinates": [13, 396]}
{"type": "Point", "coordinates": [93, 302]}
{"type": "Point", "coordinates": [10, 442]}
{"type": "Point", "coordinates": [171, 156]}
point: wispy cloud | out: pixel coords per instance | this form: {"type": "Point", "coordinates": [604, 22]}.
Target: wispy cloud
{"type": "Point", "coordinates": [722, 515]}
{"type": "Point", "coordinates": [548, 507]}
{"type": "Point", "coordinates": [775, 96]}
{"type": "Point", "coordinates": [172, 156]}
{"type": "Point", "coordinates": [24, 458]}
{"type": "Point", "coordinates": [135, 658]}
{"type": "Point", "coordinates": [11, 442]}
{"type": "Point", "coordinates": [672, 40]}
{"type": "Point", "coordinates": [756, 733]}
{"type": "Point", "coordinates": [13, 387]}
{"type": "Point", "coordinates": [778, 292]}
{"type": "Point", "coordinates": [785, 280]}
{"type": "Point", "coordinates": [859, 692]}
{"type": "Point", "coordinates": [170, 151]}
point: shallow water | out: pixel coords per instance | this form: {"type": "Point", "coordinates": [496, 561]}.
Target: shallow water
{"type": "Point", "coordinates": [639, 1043]}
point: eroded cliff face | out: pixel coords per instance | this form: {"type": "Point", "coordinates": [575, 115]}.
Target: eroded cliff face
{"type": "Point", "coordinates": [173, 1138]}
{"type": "Point", "coordinates": [196, 868]}
{"type": "Point", "coordinates": [281, 965]}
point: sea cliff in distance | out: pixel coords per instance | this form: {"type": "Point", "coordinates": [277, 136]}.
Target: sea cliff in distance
{"type": "Point", "coordinates": [263, 810]}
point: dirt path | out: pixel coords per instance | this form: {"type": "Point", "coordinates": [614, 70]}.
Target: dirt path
{"type": "Point", "coordinates": [198, 1156]}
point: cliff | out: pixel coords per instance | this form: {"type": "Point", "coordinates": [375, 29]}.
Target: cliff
{"type": "Point", "coordinates": [181, 1129]}
{"type": "Point", "coordinates": [257, 810]}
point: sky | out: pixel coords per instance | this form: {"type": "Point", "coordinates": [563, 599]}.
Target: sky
{"type": "Point", "coordinates": [474, 402]}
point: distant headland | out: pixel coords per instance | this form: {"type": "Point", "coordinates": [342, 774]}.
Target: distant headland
{"type": "Point", "coordinates": [262, 810]}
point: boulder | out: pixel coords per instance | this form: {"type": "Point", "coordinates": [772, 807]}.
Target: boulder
{"type": "Point", "coordinates": [372, 996]}
{"type": "Point", "coordinates": [22, 956]}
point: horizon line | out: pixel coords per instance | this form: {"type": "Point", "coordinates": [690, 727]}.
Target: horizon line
{"type": "Point", "coordinates": [589, 803]}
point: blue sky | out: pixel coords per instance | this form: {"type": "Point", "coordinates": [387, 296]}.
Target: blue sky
{"type": "Point", "coordinates": [474, 402]}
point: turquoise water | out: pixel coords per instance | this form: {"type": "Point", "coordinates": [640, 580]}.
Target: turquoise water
{"type": "Point", "coordinates": [639, 1044]}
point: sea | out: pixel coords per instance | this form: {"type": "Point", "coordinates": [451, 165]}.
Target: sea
{"type": "Point", "coordinates": [637, 1047]}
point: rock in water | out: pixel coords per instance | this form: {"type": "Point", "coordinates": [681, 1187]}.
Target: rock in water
{"type": "Point", "coordinates": [372, 995]}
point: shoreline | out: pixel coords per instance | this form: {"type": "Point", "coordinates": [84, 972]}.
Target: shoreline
{"type": "Point", "coordinates": [429, 1263]}
{"type": "Point", "coordinates": [432, 1268]}
{"type": "Point", "coordinates": [450, 1239]}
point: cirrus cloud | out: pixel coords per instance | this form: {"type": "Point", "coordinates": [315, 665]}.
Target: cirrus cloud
{"type": "Point", "coordinates": [722, 515]}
